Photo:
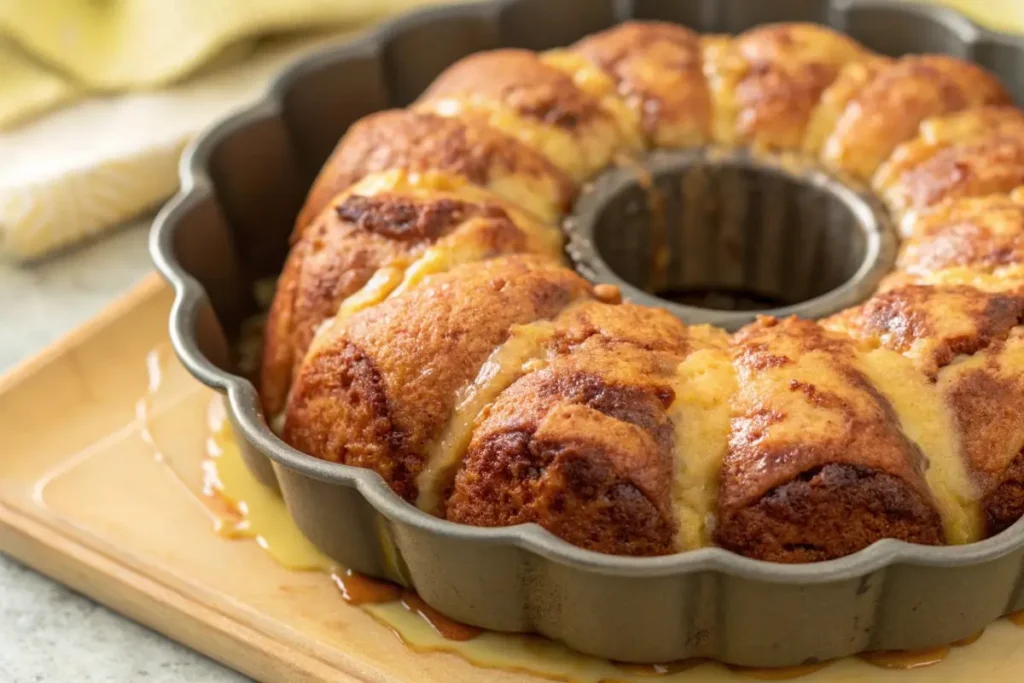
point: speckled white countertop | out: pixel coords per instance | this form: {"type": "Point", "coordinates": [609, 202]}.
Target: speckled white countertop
{"type": "Point", "coordinates": [48, 633]}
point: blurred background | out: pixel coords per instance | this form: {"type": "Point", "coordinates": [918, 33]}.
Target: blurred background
{"type": "Point", "coordinates": [97, 100]}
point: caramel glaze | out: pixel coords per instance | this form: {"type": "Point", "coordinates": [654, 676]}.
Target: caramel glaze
{"type": "Point", "coordinates": [658, 669]}
{"type": "Point", "coordinates": [358, 589]}
{"type": "Point", "coordinates": [781, 673]}
{"type": "Point", "coordinates": [915, 659]}
{"type": "Point", "coordinates": [969, 640]}
{"type": "Point", "coordinates": [1017, 618]}
{"type": "Point", "coordinates": [899, 659]}
{"type": "Point", "coordinates": [447, 628]}
{"type": "Point", "coordinates": [893, 659]}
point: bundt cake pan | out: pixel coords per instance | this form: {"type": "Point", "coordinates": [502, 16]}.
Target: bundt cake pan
{"type": "Point", "coordinates": [244, 181]}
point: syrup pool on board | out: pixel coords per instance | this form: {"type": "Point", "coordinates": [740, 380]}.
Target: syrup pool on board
{"type": "Point", "coordinates": [252, 511]}
{"type": "Point", "coordinates": [258, 512]}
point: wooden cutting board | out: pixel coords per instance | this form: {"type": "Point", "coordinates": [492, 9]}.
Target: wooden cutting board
{"type": "Point", "coordinates": [85, 500]}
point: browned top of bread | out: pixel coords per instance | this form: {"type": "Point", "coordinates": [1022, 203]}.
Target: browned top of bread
{"type": "Point", "coordinates": [421, 141]}
{"type": "Point", "coordinates": [989, 165]}
{"type": "Point", "coordinates": [567, 448]}
{"type": "Point", "coordinates": [940, 132]}
{"type": "Point", "coordinates": [538, 101]}
{"type": "Point", "coordinates": [787, 67]}
{"type": "Point", "coordinates": [583, 446]}
{"type": "Point", "coordinates": [802, 404]}
{"type": "Point", "coordinates": [934, 324]}
{"type": "Point", "coordinates": [837, 97]}
{"type": "Point", "coordinates": [814, 447]}
{"type": "Point", "coordinates": [377, 387]}
{"type": "Point", "coordinates": [646, 328]}
{"type": "Point", "coordinates": [657, 67]}
{"type": "Point", "coordinates": [987, 394]}
{"type": "Point", "coordinates": [981, 233]}
{"type": "Point", "coordinates": [521, 81]}
{"type": "Point", "coordinates": [888, 109]}
{"type": "Point", "coordinates": [386, 222]}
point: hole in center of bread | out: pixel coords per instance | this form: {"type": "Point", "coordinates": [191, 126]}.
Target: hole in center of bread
{"type": "Point", "coordinates": [706, 232]}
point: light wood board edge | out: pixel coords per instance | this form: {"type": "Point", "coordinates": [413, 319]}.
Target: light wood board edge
{"type": "Point", "coordinates": [128, 592]}
{"type": "Point", "coordinates": [157, 606]}
{"type": "Point", "coordinates": [148, 287]}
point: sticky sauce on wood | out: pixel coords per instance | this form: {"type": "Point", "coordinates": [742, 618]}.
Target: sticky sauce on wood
{"type": "Point", "coordinates": [969, 640]}
{"type": "Point", "coordinates": [658, 669]}
{"type": "Point", "coordinates": [357, 589]}
{"type": "Point", "coordinates": [251, 509]}
{"type": "Point", "coordinates": [445, 627]}
{"type": "Point", "coordinates": [781, 673]}
{"type": "Point", "coordinates": [907, 659]}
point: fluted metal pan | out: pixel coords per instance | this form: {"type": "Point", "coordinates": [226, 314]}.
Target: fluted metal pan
{"type": "Point", "coordinates": [243, 183]}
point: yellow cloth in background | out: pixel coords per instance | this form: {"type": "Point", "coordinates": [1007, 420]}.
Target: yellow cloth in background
{"type": "Point", "coordinates": [51, 50]}
{"type": "Point", "coordinates": [27, 88]}
{"type": "Point", "coordinates": [101, 161]}
{"type": "Point", "coordinates": [133, 80]}
{"type": "Point", "coordinates": [998, 15]}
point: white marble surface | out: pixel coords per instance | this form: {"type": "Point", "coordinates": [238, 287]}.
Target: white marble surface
{"type": "Point", "coordinates": [48, 633]}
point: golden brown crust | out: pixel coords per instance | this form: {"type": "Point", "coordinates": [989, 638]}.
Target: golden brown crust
{"type": "Point", "coordinates": [938, 133]}
{"type": "Point", "coordinates": [1005, 504]}
{"type": "Point", "coordinates": [657, 67]}
{"type": "Point", "coordinates": [380, 385]}
{"type": "Point", "coordinates": [332, 261]}
{"type": "Point", "coordinates": [650, 329]}
{"type": "Point", "coordinates": [992, 165]}
{"type": "Point", "coordinates": [802, 407]}
{"type": "Point", "coordinates": [565, 476]}
{"type": "Point", "coordinates": [583, 447]}
{"type": "Point", "coordinates": [354, 238]}
{"type": "Point", "coordinates": [894, 102]}
{"type": "Point", "coordinates": [826, 513]}
{"type": "Point", "coordinates": [980, 233]}
{"type": "Point", "coordinates": [835, 98]}
{"type": "Point", "coordinates": [535, 101]}
{"type": "Point", "coordinates": [420, 141]}
{"type": "Point", "coordinates": [520, 80]}
{"type": "Point", "coordinates": [933, 324]}
{"type": "Point", "coordinates": [788, 67]}
{"type": "Point", "coordinates": [986, 394]}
